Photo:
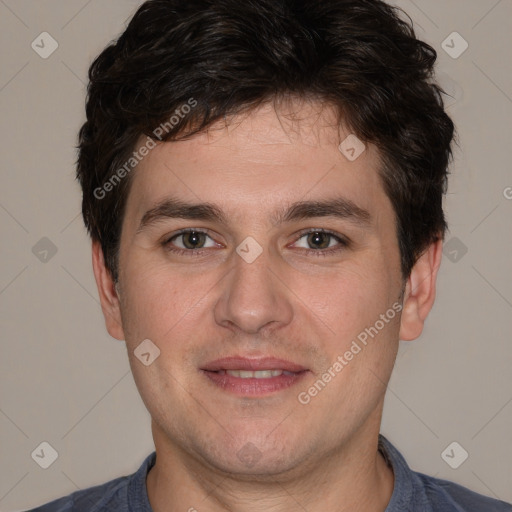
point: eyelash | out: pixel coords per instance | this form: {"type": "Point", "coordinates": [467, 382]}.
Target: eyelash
{"type": "Point", "coordinates": [343, 242]}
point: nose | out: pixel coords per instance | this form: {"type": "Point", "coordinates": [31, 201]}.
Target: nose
{"type": "Point", "coordinates": [253, 298]}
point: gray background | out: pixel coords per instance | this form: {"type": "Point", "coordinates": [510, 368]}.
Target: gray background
{"type": "Point", "coordinates": [66, 382]}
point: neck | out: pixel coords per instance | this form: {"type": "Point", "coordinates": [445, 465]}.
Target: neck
{"type": "Point", "coordinates": [354, 477]}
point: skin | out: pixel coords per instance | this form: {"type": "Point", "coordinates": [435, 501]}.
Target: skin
{"type": "Point", "coordinates": [288, 303]}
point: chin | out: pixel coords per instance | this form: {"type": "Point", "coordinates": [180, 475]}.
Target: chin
{"type": "Point", "coordinates": [255, 466]}
{"type": "Point", "coordinates": [257, 456]}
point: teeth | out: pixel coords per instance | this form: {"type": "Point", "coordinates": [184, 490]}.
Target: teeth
{"type": "Point", "coordinates": [259, 374]}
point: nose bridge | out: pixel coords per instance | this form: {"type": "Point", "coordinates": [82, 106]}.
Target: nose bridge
{"type": "Point", "coordinates": [252, 297]}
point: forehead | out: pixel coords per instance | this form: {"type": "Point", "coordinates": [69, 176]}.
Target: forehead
{"type": "Point", "coordinates": [257, 159]}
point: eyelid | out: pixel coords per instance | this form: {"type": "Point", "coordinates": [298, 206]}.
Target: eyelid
{"type": "Point", "coordinates": [334, 234]}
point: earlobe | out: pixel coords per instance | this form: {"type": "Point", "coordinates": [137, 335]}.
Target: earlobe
{"type": "Point", "coordinates": [108, 293]}
{"type": "Point", "coordinates": [420, 292]}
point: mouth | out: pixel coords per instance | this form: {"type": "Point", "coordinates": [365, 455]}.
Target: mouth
{"type": "Point", "coordinates": [244, 376]}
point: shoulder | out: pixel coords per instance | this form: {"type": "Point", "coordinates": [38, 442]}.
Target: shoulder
{"type": "Point", "coordinates": [119, 495]}
{"type": "Point", "coordinates": [415, 491]}
{"type": "Point", "coordinates": [112, 496]}
{"type": "Point", "coordinates": [444, 495]}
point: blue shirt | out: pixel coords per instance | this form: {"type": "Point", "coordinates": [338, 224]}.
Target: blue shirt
{"type": "Point", "coordinates": [412, 492]}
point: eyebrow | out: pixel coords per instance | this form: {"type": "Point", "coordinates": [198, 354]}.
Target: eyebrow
{"type": "Point", "coordinates": [339, 207]}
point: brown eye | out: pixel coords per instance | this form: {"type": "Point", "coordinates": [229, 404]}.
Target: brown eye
{"type": "Point", "coordinates": [189, 241]}
{"type": "Point", "coordinates": [193, 239]}
{"type": "Point", "coordinates": [319, 240]}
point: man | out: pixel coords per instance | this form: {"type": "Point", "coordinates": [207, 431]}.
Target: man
{"type": "Point", "coordinates": [263, 185]}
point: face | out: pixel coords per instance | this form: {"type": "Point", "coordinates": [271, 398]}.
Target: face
{"type": "Point", "coordinates": [291, 264]}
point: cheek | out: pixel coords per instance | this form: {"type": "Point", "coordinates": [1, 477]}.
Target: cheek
{"type": "Point", "coordinates": [154, 301]}
{"type": "Point", "coordinates": [362, 338]}
{"type": "Point", "coordinates": [350, 298]}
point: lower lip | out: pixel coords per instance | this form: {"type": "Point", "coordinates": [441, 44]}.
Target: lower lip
{"type": "Point", "coordinates": [253, 386]}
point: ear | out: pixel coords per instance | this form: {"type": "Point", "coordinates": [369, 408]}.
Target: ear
{"type": "Point", "coordinates": [108, 293]}
{"type": "Point", "coordinates": [420, 292]}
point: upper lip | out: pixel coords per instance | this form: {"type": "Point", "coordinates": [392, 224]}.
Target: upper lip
{"type": "Point", "coordinates": [252, 364]}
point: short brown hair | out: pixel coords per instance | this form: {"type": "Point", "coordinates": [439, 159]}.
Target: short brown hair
{"type": "Point", "coordinates": [361, 56]}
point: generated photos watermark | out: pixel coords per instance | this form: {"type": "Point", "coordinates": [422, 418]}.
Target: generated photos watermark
{"type": "Point", "coordinates": [143, 151]}
{"type": "Point", "coordinates": [305, 397]}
